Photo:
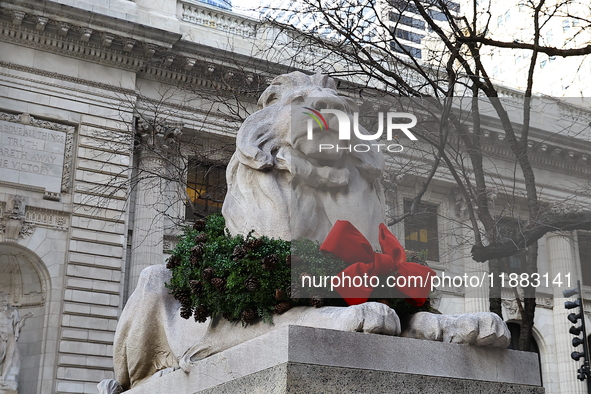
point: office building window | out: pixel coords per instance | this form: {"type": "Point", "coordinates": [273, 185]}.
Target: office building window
{"type": "Point", "coordinates": [206, 189]}
{"type": "Point", "coordinates": [584, 239]}
{"type": "Point", "coordinates": [409, 35]}
{"type": "Point", "coordinates": [406, 49]}
{"type": "Point", "coordinates": [407, 21]}
{"type": "Point", "coordinates": [420, 230]}
{"type": "Point", "coordinates": [549, 37]}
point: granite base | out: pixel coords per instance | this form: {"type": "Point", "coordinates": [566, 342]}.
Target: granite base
{"type": "Point", "coordinates": [298, 360]}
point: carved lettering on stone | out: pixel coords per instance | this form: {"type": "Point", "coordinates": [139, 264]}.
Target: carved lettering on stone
{"type": "Point", "coordinates": [36, 152]}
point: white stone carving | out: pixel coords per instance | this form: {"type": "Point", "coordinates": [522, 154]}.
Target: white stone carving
{"type": "Point", "coordinates": [276, 184]}
{"type": "Point", "coordinates": [151, 336]}
{"type": "Point", "coordinates": [13, 223]}
{"type": "Point", "coordinates": [479, 329]}
{"type": "Point", "coordinates": [10, 328]}
{"type": "Point", "coordinates": [272, 183]}
{"type": "Point", "coordinates": [46, 217]}
{"type": "Point", "coordinates": [109, 386]}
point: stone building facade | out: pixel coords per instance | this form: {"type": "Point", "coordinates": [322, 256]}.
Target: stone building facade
{"type": "Point", "coordinates": [79, 217]}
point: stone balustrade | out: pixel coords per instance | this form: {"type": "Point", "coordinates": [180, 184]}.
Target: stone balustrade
{"type": "Point", "coordinates": [203, 15]}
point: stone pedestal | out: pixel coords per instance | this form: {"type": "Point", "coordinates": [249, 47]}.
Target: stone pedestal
{"type": "Point", "coordinates": [8, 391]}
{"type": "Point", "coordinates": [296, 359]}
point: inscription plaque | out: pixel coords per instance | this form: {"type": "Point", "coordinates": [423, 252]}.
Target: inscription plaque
{"type": "Point", "coordinates": [31, 155]}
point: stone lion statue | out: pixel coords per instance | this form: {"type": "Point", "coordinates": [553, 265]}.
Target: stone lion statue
{"type": "Point", "coordinates": [279, 186]}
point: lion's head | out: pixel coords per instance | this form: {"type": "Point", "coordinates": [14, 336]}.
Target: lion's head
{"type": "Point", "coordinates": [281, 185]}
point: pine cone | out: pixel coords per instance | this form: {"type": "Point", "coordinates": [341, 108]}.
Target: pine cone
{"type": "Point", "coordinates": [218, 283]}
{"type": "Point", "coordinates": [196, 287]}
{"type": "Point", "coordinates": [251, 283]}
{"type": "Point", "coordinates": [304, 275]}
{"type": "Point", "coordinates": [196, 254]}
{"type": "Point", "coordinates": [201, 238]}
{"type": "Point", "coordinates": [253, 244]}
{"type": "Point", "coordinates": [248, 315]}
{"type": "Point", "coordinates": [316, 301]}
{"type": "Point", "coordinates": [173, 262]}
{"type": "Point", "coordinates": [186, 311]}
{"type": "Point", "coordinates": [239, 252]}
{"type": "Point", "coordinates": [207, 274]}
{"type": "Point", "coordinates": [282, 307]}
{"type": "Point", "coordinates": [199, 225]}
{"type": "Point", "coordinates": [288, 260]}
{"type": "Point", "coordinates": [296, 260]}
{"type": "Point", "coordinates": [270, 262]}
{"type": "Point", "coordinates": [415, 257]}
{"type": "Point", "coordinates": [201, 313]}
{"type": "Point", "coordinates": [294, 292]}
{"type": "Point", "coordinates": [183, 296]}
{"type": "Point", "coordinates": [279, 295]}
{"type": "Point", "coordinates": [197, 251]}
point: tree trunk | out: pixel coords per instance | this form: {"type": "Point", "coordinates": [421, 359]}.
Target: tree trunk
{"type": "Point", "coordinates": [495, 291]}
{"type": "Point", "coordinates": [529, 307]}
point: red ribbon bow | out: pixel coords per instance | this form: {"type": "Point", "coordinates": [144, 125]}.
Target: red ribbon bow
{"type": "Point", "coordinates": [347, 243]}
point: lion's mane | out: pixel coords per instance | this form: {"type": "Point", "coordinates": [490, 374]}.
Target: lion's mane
{"type": "Point", "coordinates": [278, 189]}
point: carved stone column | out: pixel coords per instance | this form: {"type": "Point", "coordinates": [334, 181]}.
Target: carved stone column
{"type": "Point", "coordinates": [476, 297]}
{"type": "Point", "coordinates": [561, 258]}
{"type": "Point", "coordinates": [156, 142]}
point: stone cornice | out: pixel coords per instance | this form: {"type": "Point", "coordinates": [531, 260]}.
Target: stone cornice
{"type": "Point", "coordinates": [557, 153]}
{"type": "Point", "coordinates": [77, 19]}
{"type": "Point", "coordinates": [150, 52]}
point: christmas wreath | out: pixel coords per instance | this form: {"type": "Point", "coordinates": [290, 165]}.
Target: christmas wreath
{"type": "Point", "coordinates": [247, 278]}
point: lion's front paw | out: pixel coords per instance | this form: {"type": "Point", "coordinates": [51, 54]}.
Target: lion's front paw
{"type": "Point", "coordinates": [371, 317]}
{"type": "Point", "coordinates": [479, 329]}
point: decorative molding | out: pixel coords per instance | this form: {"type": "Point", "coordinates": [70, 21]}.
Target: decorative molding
{"type": "Point", "coordinates": [197, 13]}
{"type": "Point", "coordinates": [157, 137]}
{"type": "Point", "coordinates": [27, 119]}
{"type": "Point", "coordinates": [169, 242]}
{"type": "Point", "coordinates": [63, 77]}
{"type": "Point", "coordinates": [68, 160]}
{"type": "Point", "coordinates": [148, 51]}
{"type": "Point", "coordinates": [19, 264]}
{"type": "Point", "coordinates": [511, 308]}
{"type": "Point", "coordinates": [80, 48]}
{"type": "Point", "coordinates": [23, 187]}
{"type": "Point", "coordinates": [81, 19]}
{"type": "Point", "coordinates": [47, 218]}
{"type": "Point", "coordinates": [544, 302]}
{"type": "Point", "coordinates": [12, 222]}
